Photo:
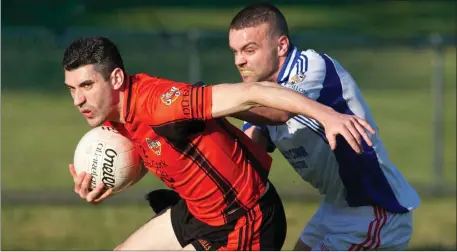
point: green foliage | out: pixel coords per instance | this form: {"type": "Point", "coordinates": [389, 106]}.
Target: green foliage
{"type": "Point", "coordinates": [386, 19]}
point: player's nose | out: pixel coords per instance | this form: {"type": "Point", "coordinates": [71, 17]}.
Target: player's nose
{"type": "Point", "coordinates": [79, 98]}
{"type": "Point", "coordinates": [240, 61]}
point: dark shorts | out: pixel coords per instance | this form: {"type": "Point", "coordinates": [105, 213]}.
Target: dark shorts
{"type": "Point", "coordinates": [261, 228]}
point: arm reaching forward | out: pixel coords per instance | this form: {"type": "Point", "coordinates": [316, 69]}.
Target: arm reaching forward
{"type": "Point", "coordinates": [229, 99]}
{"type": "Point", "coordinates": [164, 101]}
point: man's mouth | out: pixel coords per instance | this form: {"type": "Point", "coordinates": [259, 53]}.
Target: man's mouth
{"type": "Point", "coordinates": [86, 112]}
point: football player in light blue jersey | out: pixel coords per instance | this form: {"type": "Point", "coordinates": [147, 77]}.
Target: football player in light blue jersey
{"type": "Point", "coordinates": [367, 202]}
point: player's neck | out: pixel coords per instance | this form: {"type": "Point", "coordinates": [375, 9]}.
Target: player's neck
{"type": "Point", "coordinates": [122, 97]}
{"type": "Point", "coordinates": [121, 108]}
{"type": "Point", "coordinates": [274, 77]}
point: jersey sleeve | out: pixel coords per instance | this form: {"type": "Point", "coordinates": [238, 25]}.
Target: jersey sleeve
{"type": "Point", "coordinates": [309, 82]}
{"type": "Point", "coordinates": [164, 102]}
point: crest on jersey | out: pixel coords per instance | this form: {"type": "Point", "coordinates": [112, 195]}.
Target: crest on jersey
{"type": "Point", "coordinates": [170, 96]}
{"type": "Point", "coordinates": [155, 146]}
{"type": "Point", "coordinates": [297, 78]}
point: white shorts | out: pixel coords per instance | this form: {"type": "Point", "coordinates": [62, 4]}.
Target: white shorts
{"type": "Point", "coordinates": [357, 228]}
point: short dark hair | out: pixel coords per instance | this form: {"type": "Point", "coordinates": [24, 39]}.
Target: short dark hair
{"type": "Point", "coordinates": [100, 51]}
{"type": "Point", "coordinates": [260, 13]}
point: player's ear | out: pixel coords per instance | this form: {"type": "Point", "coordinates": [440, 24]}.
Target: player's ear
{"type": "Point", "coordinates": [283, 46]}
{"type": "Point", "coordinates": [117, 78]}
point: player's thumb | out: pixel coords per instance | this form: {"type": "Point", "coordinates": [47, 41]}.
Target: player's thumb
{"type": "Point", "coordinates": [71, 167]}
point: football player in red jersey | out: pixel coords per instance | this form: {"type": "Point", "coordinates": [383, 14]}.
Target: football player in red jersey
{"type": "Point", "coordinates": [226, 201]}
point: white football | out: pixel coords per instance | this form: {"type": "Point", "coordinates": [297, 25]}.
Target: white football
{"type": "Point", "coordinates": [110, 157]}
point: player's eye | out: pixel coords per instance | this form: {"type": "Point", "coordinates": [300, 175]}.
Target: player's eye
{"type": "Point", "coordinates": [249, 51]}
{"type": "Point", "coordinates": [87, 85]}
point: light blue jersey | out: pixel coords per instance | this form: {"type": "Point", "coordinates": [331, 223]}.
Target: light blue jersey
{"type": "Point", "coordinates": [343, 176]}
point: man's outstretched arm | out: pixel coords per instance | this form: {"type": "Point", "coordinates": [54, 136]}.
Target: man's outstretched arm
{"type": "Point", "coordinates": [229, 99]}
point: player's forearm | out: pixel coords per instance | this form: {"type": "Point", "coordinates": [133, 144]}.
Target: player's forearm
{"type": "Point", "coordinates": [264, 115]}
{"type": "Point", "coordinates": [278, 97]}
{"type": "Point", "coordinates": [230, 99]}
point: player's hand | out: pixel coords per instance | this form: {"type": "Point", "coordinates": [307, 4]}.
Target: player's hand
{"type": "Point", "coordinates": [82, 184]}
{"type": "Point", "coordinates": [351, 127]}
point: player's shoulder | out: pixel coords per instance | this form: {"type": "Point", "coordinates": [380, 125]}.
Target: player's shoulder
{"type": "Point", "coordinates": [144, 78]}
{"type": "Point", "coordinates": [314, 60]}
{"type": "Point", "coordinates": [310, 67]}
{"type": "Point", "coordinates": [146, 85]}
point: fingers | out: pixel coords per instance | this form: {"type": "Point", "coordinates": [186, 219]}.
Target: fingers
{"type": "Point", "coordinates": [72, 171]}
{"type": "Point", "coordinates": [366, 125]}
{"type": "Point", "coordinates": [95, 193]}
{"type": "Point", "coordinates": [78, 181]}
{"type": "Point", "coordinates": [331, 140]}
{"type": "Point", "coordinates": [84, 189]}
{"type": "Point", "coordinates": [362, 132]}
{"type": "Point", "coordinates": [105, 195]}
{"type": "Point", "coordinates": [353, 130]}
{"type": "Point", "coordinates": [351, 140]}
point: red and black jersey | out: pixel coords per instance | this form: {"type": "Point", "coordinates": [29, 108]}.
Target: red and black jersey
{"type": "Point", "coordinates": [210, 163]}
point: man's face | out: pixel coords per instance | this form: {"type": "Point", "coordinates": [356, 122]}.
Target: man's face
{"type": "Point", "coordinates": [94, 96]}
{"type": "Point", "coordinates": [256, 53]}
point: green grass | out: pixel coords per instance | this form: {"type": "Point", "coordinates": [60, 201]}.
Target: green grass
{"type": "Point", "coordinates": [84, 227]}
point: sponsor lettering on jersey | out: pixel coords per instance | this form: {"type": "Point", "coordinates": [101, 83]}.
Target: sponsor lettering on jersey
{"type": "Point", "coordinates": [296, 156]}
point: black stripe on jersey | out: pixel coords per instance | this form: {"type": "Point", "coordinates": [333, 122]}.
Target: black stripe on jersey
{"type": "Point", "coordinates": [253, 222]}
{"type": "Point", "coordinates": [201, 101]}
{"type": "Point", "coordinates": [247, 233]}
{"type": "Point", "coordinates": [193, 102]}
{"type": "Point", "coordinates": [177, 121]}
{"type": "Point", "coordinates": [240, 240]}
{"type": "Point", "coordinates": [198, 100]}
{"type": "Point", "coordinates": [172, 133]}
{"type": "Point", "coordinates": [263, 173]}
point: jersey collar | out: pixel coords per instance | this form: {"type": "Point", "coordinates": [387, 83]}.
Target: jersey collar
{"type": "Point", "coordinates": [291, 60]}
